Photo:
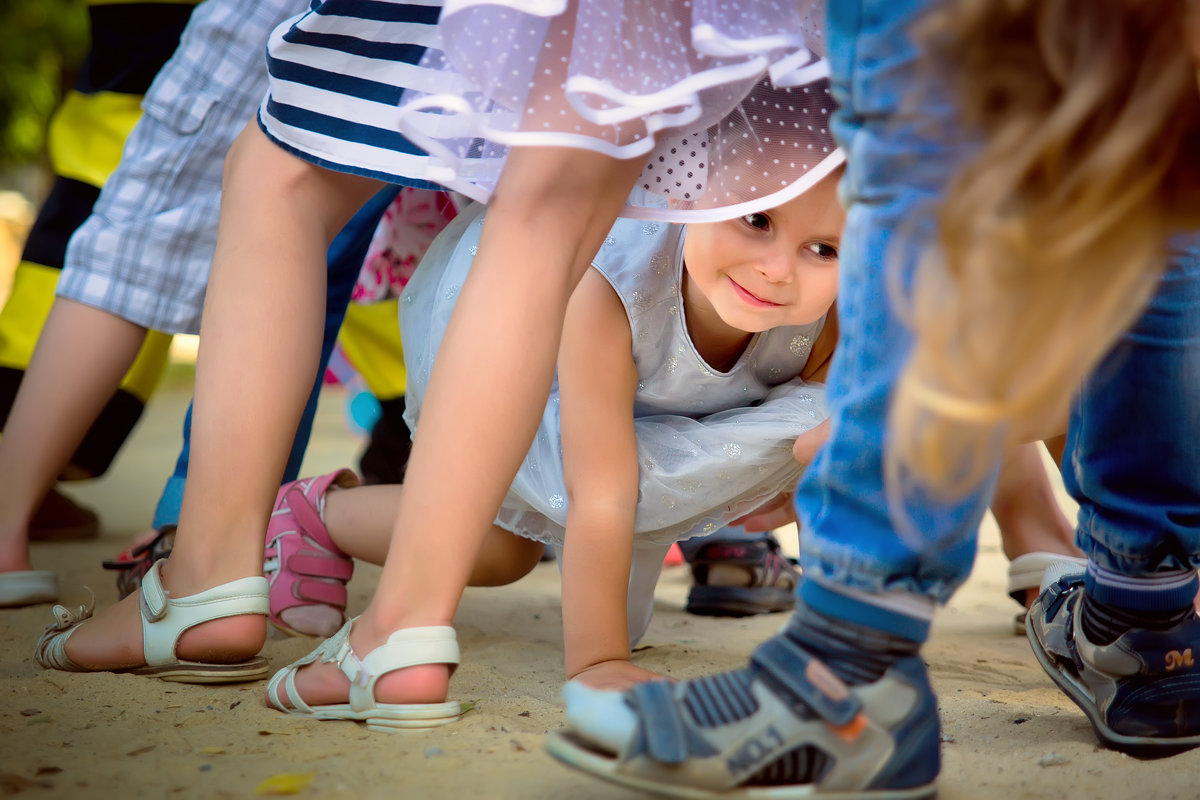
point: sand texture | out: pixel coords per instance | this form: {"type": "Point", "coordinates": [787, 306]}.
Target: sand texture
{"type": "Point", "coordinates": [1008, 733]}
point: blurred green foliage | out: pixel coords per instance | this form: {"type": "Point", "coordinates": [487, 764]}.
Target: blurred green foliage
{"type": "Point", "coordinates": [41, 41]}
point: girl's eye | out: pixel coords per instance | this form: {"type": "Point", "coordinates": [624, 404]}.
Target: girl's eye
{"type": "Point", "coordinates": [825, 252]}
{"type": "Point", "coordinates": [759, 221]}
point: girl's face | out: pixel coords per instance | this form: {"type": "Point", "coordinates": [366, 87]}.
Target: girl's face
{"type": "Point", "coordinates": [770, 268]}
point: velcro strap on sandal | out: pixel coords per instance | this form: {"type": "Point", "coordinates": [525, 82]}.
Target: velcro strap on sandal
{"type": "Point", "coordinates": [305, 512]}
{"type": "Point", "coordinates": [314, 591]}
{"type": "Point", "coordinates": [154, 596]}
{"type": "Point", "coordinates": [1057, 592]}
{"type": "Point", "coordinates": [320, 566]}
{"type": "Point", "coordinates": [789, 670]}
{"type": "Point", "coordinates": [665, 736]}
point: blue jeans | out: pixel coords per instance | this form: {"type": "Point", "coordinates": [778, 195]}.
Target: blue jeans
{"type": "Point", "coordinates": [897, 129]}
{"type": "Point", "coordinates": [345, 260]}
{"type": "Point", "coordinates": [1132, 459]}
{"type": "Point", "coordinates": [898, 159]}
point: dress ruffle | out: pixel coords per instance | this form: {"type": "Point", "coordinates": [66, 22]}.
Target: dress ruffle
{"type": "Point", "coordinates": [727, 102]}
{"type": "Point", "coordinates": [696, 475]}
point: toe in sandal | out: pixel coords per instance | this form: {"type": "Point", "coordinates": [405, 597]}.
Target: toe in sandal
{"type": "Point", "coordinates": [730, 736]}
{"type": "Point", "coordinates": [404, 648]}
{"type": "Point", "coordinates": [306, 570]}
{"type": "Point", "coordinates": [164, 619]}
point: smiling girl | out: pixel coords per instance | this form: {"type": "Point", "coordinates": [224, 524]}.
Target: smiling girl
{"type": "Point", "coordinates": [683, 380]}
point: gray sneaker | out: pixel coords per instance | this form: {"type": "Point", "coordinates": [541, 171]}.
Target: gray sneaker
{"type": "Point", "coordinates": [1141, 693]}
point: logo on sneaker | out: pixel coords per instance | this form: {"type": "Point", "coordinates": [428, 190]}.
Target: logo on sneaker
{"type": "Point", "coordinates": [754, 751]}
{"type": "Point", "coordinates": [1176, 659]}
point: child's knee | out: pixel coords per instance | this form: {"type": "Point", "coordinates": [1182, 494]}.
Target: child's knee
{"type": "Point", "coordinates": [505, 558]}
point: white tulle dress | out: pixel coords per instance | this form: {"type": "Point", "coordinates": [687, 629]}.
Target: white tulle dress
{"type": "Point", "coordinates": [712, 446]}
{"type": "Point", "coordinates": [724, 99]}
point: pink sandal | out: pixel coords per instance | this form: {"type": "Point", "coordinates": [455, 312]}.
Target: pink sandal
{"type": "Point", "coordinates": [306, 571]}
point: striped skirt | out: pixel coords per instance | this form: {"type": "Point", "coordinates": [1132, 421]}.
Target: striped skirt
{"type": "Point", "coordinates": [336, 76]}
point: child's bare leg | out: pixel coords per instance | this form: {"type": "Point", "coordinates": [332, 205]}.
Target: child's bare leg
{"type": "Point", "coordinates": [1025, 508]}
{"type": "Point", "coordinates": [81, 356]}
{"type": "Point", "coordinates": [360, 521]}
{"type": "Point", "coordinates": [1026, 511]}
{"type": "Point", "coordinates": [260, 339]}
{"type": "Point", "coordinates": [504, 558]}
{"type": "Point", "coordinates": [488, 389]}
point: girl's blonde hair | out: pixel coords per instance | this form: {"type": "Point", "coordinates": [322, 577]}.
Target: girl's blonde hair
{"type": "Point", "coordinates": [1052, 238]}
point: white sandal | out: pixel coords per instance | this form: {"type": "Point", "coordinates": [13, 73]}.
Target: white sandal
{"type": "Point", "coordinates": [409, 647]}
{"type": "Point", "coordinates": [164, 619]}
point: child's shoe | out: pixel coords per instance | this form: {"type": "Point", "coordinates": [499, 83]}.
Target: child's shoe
{"type": "Point", "coordinates": [785, 727]}
{"type": "Point", "coordinates": [1141, 693]}
{"type": "Point", "coordinates": [741, 578]}
{"type": "Point", "coordinates": [132, 563]}
{"type": "Point", "coordinates": [405, 648]}
{"type": "Point", "coordinates": [1026, 573]}
{"type": "Point", "coordinates": [306, 570]}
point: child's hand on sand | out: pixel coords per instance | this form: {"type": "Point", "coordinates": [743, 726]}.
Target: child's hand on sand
{"type": "Point", "coordinates": [615, 676]}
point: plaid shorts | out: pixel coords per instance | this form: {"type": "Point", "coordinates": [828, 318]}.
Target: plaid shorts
{"type": "Point", "coordinates": [145, 252]}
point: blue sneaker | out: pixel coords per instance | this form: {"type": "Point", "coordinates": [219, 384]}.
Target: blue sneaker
{"type": "Point", "coordinates": [786, 727]}
{"type": "Point", "coordinates": [1141, 693]}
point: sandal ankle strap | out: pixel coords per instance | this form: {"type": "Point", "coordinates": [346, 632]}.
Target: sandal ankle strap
{"type": "Point", "coordinates": [409, 647]}
{"type": "Point", "coordinates": [164, 619]}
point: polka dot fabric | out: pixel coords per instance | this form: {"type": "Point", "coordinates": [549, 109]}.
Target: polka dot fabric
{"type": "Point", "coordinates": [727, 102]}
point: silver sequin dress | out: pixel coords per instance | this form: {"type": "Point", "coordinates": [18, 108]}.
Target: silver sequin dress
{"type": "Point", "coordinates": [712, 446]}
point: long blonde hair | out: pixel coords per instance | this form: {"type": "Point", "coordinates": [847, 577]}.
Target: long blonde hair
{"type": "Point", "coordinates": [1053, 237]}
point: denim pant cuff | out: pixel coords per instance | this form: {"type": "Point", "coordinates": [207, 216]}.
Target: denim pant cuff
{"type": "Point", "coordinates": [825, 599]}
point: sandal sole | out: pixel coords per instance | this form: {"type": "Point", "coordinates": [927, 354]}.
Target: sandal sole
{"type": "Point", "coordinates": [571, 751]}
{"type": "Point", "coordinates": [413, 717]}
{"type": "Point", "coordinates": [196, 672]}
{"type": "Point", "coordinates": [724, 601]}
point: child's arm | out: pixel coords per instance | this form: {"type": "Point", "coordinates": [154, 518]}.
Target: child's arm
{"type": "Point", "coordinates": [597, 382]}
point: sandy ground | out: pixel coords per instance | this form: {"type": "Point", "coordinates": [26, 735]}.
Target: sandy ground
{"type": "Point", "coordinates": [1007, 732]}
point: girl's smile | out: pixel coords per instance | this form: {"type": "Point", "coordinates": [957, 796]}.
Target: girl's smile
{"type": "Point", "coordinates": [752, 298]}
